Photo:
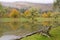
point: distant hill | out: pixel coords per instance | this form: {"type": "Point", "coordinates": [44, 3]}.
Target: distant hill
{"type": "Point", "coordinates": [19, 5]}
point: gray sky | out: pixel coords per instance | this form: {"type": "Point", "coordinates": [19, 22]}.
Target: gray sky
{"type": "Point", "coordinates": [34, 1]}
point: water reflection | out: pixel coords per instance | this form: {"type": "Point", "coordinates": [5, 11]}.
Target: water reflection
{"type": "Point", "coordinates": [20, 29]}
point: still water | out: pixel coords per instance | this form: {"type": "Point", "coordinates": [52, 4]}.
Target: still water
{"type": "Point", "coordinates": [15, 30]}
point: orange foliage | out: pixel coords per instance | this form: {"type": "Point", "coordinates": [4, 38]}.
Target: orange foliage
{"type": "Point", "coordinates": [14, 13]}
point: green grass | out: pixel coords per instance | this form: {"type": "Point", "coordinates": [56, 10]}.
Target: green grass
{"type": "Point", "coordinates": [13, 19]}
{"type": "Point", "coordinates": [25, 19]}
{"type": "Point", "coordinates": [36, 37]}
{"type": "Point", "coordinates": [55, 32]}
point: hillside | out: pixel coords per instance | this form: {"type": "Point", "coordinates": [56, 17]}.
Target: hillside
{"type": "Point", "coordinates": [19, 5]}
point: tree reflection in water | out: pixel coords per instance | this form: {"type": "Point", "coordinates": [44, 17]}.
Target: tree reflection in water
{"type": "Point", "coordinates": [21, 29]}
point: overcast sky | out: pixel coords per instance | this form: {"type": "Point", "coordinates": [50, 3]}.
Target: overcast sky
{"type": "Point", "coordinates": [34, 1]}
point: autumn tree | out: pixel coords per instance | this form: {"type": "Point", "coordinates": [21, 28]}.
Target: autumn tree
{"type": "Point", "coordinates": [47, 14]}
{"type": "Point", "coordinates": [27, 13]}
{"type": "Point", "coordinates": [14, 13]}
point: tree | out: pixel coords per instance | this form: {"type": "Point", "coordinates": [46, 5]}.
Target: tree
{"type": "Point", "coordinates": [1, 6]}
{"type": "Point", "coordinates": [57, 5]}
{"type": "Point", "coordinates": [22, 10]}
{"type": "Point", "coordinates": [14, 13]}
{"type": "Point", "coordinates": [3, 11]}
{"type": "Point", "coordinates": [34, 14]}
{"type": "Point", "coordinates": [46, 15]}
{"type": "Point", "coordinates": [27, 13]}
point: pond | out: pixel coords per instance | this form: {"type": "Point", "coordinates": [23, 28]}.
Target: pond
{"type": "Point", "coordinates": [21, 29]}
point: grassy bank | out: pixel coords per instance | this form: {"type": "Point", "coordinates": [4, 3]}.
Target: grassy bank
{"type": "Point", "coordinates": [55, 32]}
{"type": "Point", "coordinates": [25, 19]}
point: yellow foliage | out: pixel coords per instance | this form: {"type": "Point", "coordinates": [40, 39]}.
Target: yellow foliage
{"type": "Point", "coordinates": [14, 26]}
{"type": "Point", "coordinates": [46, 15]}
{"type": "Point", "coordinates": [45, 23]}
{"type": "Point", "coordinates": [32, 12]}
{"type": "Point", "coordinates": [27, 13]}
{"type": "Point", "coordinates": [14, 13]}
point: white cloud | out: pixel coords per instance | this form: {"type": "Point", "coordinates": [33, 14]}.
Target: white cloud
{"type": "Point", "coordinates": [35, 1]}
